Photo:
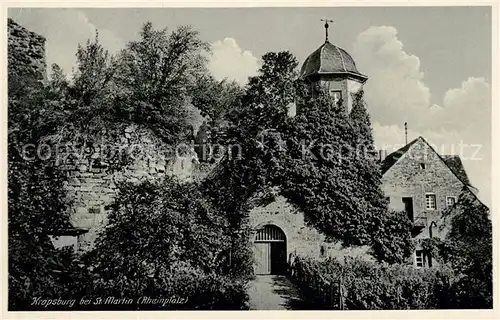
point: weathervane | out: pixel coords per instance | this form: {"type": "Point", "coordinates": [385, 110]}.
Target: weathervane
{"type": "Point", "coordinates": [326, 28]}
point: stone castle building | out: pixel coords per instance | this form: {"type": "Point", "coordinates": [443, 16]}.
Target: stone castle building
{"type": "Point", "coordinates": [421, 182]}
{"type": "Point", "coordinates": [415, 179]}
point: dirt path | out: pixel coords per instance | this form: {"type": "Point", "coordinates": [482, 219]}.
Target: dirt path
{"type": "Point", "coordinates": [273, 293]}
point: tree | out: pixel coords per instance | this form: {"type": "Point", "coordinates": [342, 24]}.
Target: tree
{"type": "Point", "coordinates": [215, 99]}
{"type": "Point", "coordinates": [155, 78]}
{"type": "Point", "coordinates": [320, 175]}
{"type": "Point", "coordinates": [93, 78]}
{"type": "Point", "coordinates": [391, 230]}
{"type": "Point", "coordinates": [255, 122]}
{"type": "Point", "coordinates": [467, 248]}
{"type": "Point", "coordinates": [37, 206]}
{"type": "Point", "coordinates": [392, 241]}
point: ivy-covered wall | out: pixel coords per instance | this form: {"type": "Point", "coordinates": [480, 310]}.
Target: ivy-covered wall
{"type": "Point", "coordinates": [300, 239]}
{"type": "Point", "coordinates": [26, 52]}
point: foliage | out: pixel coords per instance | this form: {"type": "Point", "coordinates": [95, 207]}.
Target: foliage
{"type": "Point", "coordinates": [431, 246]}
{"type": "Point", "coordinates": [467, 248]}
{"type": "Point", "coordinates": [463, 280]}
{"type": "Point", "coordinates": [368, 285]}
{"type": "Point", "coordinates": [253, 135]}
{"type": "Point", "coordinates": [215, 99]}
{"type": "Point", "coordinates": [155, 77]}
{"type": "Point", "coordinates": [392, 241]}
{"type": "Point", "coordinates": [149, 84]}
{"type": "Point", "coordinates": [335, 182]}
{"type": "Point", "coordinates": [36, 201]}
{"type": "Point", "coordinates": [330, 174]}
{"type": "Point", "coordinates": [163, 240]}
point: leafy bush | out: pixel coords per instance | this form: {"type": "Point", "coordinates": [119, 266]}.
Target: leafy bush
{"type": "Point", "coordinates": [368, 285]}
{"type": "Point", "coordinates": [162, 240]}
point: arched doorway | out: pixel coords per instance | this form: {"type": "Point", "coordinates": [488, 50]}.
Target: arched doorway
{"type": "Point", "coordinates": [270, 250]}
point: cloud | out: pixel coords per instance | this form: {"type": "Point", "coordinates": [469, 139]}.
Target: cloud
{"type": "Point", "coordinates": [64, 29]}
{"type": "Point", "coordinates": [396, 90]}
{"type": "Point", "coordinates": [464, 108]}
{"type": "Point", "coordinates": [230, 61]}
{"type": "Point", "coordinates": [397, 93]}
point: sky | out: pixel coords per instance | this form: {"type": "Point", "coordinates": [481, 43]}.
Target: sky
{"type": "Point", "coordinates": [427, 66]}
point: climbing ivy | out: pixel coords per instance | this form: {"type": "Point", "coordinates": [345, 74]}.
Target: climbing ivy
{"type": "Point", "coordinates": [321, 160]}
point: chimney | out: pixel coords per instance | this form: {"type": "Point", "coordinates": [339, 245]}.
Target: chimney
{"type": "Point", "coordinates": [382, 154]}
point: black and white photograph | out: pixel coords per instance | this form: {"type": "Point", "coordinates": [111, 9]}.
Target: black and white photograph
{"type": "Point", "coordinates": [327, 158]}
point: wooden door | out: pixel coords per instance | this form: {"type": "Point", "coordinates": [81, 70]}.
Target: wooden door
{"type": "Point", "coordinates": [262, 252]}
{"type": "Point", "coordinates": [270, 250]}
{"type": "Point", "coordinates": [278, 257]}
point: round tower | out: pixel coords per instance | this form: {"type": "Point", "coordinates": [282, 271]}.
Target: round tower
{"type": "Point", "coordinates": [330, 69]}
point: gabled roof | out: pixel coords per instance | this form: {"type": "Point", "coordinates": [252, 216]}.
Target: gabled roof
{"type": "Point", "coordinates": [392, 158]}
{"type": "Point", "coordinates": [453, 162]}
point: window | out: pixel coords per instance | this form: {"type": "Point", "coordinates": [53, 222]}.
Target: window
{"type": "Point", "coordinates": [408, 202]}
{"type": "Point", "coordinates": [430, 201]}
{"type": "Point", "coordinates": [322, 251]}
{"type": "Point", "coordinates": [419, 258]}
{"type": "Point", "coordinates": [336, 95]}
{"type": "Point", "coordinates": [422, 166]}
{"type": "Point", "coordinates": [450, 201]}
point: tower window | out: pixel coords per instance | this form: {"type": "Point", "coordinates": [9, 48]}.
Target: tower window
{"type": "Point", "coordinates": [336, 95]}
{"type": "Point", "coordinates": [422, 166]}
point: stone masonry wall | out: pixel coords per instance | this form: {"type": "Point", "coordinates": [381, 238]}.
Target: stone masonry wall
{"type": "Point", "coordinates": [92, 179]}
{"type": "Point", "coordinates": [406, 178]}
{"type": "Point", "coordinates": [26, 52]}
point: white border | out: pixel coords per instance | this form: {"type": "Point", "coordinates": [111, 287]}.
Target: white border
{"type": "Point", "coordinates": [424, 314]}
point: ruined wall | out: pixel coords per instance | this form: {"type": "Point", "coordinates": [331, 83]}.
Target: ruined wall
{"type": "Point", "coordinates": [93, 176]}
{"type": "Point", "coordinates": [26, 52]}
